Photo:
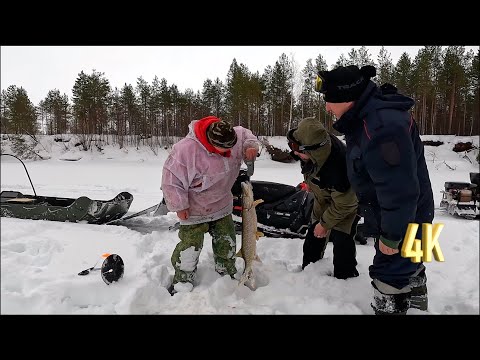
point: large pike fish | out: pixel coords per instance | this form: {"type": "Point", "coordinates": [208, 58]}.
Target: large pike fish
{"type": "Point", "coordinates": [250, 235]}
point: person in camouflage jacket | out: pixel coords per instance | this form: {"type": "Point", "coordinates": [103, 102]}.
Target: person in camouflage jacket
{"type": "Point", "coordinates": [334, 215]}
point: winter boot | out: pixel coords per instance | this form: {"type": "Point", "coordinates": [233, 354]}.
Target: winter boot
{"type": "Point", "coordinates": [360, 239]}
{"type": "Point", "coordinates": [419, 295]}
{"type": "Point", "coordinates": [345, 275]}
{"type": "Point", "coordinates": [395, 303]}
{"type": "Point", "coordinates": [171, 290]}
{"type": "Point", "coordinates": [180, 287]}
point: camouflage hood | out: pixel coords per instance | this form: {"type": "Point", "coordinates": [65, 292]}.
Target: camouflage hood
{"type": "Point", "coordinates": [310, 132]}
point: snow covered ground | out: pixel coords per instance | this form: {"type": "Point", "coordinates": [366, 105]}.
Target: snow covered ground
{"type": "Point", "coordinates": [40, 260]}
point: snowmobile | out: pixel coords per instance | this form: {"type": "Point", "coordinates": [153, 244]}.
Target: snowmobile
{"type": "Point", "coordinates": [462, 198]}
{"type": "Point", "coordinates": [285, 212]}
{"type": "Point", "coordinates": [83, 209]}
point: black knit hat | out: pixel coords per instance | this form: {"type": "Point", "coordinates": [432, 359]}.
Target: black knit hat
{"type": "Point", "coordinates": [345, 83]}
{"type": "Point", "coordinates": [221, 134]}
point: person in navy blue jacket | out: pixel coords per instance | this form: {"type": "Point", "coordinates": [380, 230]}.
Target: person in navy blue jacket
{"type": "Point", "coordinates": [387, 169]}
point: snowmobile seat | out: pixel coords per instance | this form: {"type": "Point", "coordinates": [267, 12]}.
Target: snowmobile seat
{"type": "Point", "coordinates": [22, 200]}
{"type": "Point", "coordinates": [465, 195]}
{"type": "Point", "coordinates": [271, 192]}
{"type": "Point", "coordinates": [453, 185]}
{"type": "Point", "coordinates": [15, 196]}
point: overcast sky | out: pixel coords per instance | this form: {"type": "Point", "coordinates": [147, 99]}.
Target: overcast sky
{"type": "Point", "coordinates": [39, 69]}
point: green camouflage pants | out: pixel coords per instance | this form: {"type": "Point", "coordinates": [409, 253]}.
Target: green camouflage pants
{"type": "Point", "coordinates": [186, 253]}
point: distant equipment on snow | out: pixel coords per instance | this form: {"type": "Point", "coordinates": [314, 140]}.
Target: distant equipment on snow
{"type": "Point", "coordinates": [462, 198]}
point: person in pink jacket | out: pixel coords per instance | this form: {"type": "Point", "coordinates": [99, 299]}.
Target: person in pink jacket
{"type": "Point", "coordinates": [197, 179]}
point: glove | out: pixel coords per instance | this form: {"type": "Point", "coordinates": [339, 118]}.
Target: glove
{"type": "Point", "coordinates": [237, 187]}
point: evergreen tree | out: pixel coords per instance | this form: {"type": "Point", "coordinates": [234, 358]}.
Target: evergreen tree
{"type": "Point", "coordinates": [308, 97]}
{"type": "Point", "coordinates": [91, 95]}
{"type": "Point", "coordinates": [256, 102]}
{"type": "Point", "coordinates": [183, 104]}
{"type": "Point", "coordinates": [465, 94]}
{"type": "Point", "coordinates": [218, 95]}
{"type": "Point", "coordinates": [4, 114]}
{"type": "Point", "coordinates": [56, 111]}
{"type": "Point", "coordinates": [131, 111]}
{"type": "Point", "coordinates": [403, 75]}
{"type": "Point", "coordinates": [320, 63]}
{"type": "Point", "coordinates": [236, 93]}
{"type": "Point", "coordinates": [281, 88]}
{"type": "Point", "coordinates": [155, 106]}
{"type": "Point", "coordinates": [175, 123]}
{"type": "Point", "coordinates": [296, 87]}
{"type": "Point", "coordinates": [353, 57]}
{"type": "Point", "coordinates": [453, 77]}
{"type": "Point", "coordinates": [118, 124]}
{"type": "Point", "coordinates": [443, 83]}
{"type": "Point", "coordinates": [385, 67]}
{"type": "Point", "coordinates": [342, 61]}
{"type": "Point", "coordinates": [166, 106]}
{"type": "Point", "coordinates": [435, 96]}
{"type": "Point", "coordinates": [422, 79]}
{"type": "Point", "coordinates": [323, 117]}
{"type": "Point", "coordinates": [144, 96]}
{"type": "Point", "coordinates": [364, 57]}
{"type": "Point", "coordinates": [268, 124]}
{"type": "Point", "coordinates": [474, 75]}
{"type": "Point", "coordinates": [208, 97]}
{"type": "Point", "coordinates": [19, 114]}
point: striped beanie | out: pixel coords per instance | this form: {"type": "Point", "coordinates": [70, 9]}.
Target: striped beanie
{"type": "Point", "coordinates": [221, 134]}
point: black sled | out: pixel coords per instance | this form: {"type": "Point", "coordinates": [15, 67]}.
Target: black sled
{"type": "Point", "coordinates": [285, 212]}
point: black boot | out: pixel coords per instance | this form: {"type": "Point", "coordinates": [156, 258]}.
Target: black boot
{"type": "Point", "coordinates": [357, 233]}
{"type": "Point", "coordinates": [419, 295]}
{"type": "Point", "coordinates": [360, 239]}
{"type": "Point", "coordinates": [172, 290]}
{"type": "Point", "coordinates": [390, 304]}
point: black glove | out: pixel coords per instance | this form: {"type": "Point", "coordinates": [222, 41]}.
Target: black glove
{"type": "Point", "coordinates": [237, 187]}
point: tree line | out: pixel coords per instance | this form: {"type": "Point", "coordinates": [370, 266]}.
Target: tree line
{"type": "Point", "coordinates": [443, 81]}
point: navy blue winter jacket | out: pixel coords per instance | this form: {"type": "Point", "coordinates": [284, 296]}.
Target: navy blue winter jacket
{"type": "Point", "coordinates": [385, 161]}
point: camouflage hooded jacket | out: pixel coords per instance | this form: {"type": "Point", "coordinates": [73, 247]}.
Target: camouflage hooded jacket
{"type": "Point", "coordinates": [335, 204]}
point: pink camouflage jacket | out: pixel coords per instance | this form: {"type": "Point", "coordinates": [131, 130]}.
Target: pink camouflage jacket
{"type": "Point", "coordinates": [200, 181]}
